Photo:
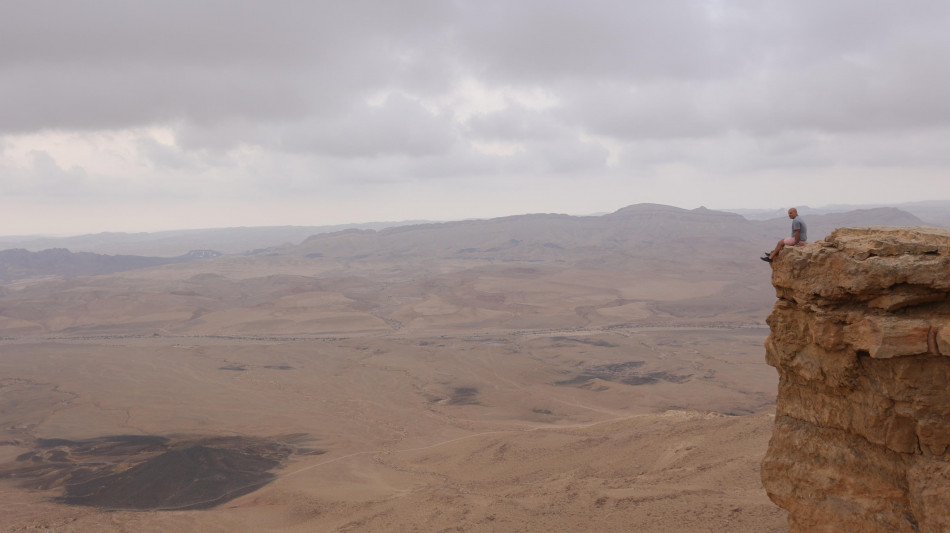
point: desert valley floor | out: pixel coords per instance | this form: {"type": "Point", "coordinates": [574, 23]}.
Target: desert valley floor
{"type": "Point", "coordinates": [297, 394]}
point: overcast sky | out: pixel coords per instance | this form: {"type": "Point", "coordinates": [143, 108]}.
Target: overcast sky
{"type": "Point", "coordinates": [141, 116]}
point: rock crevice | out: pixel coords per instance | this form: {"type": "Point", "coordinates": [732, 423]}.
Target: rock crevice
{"type": "Point", "coordinates": [860, 336]}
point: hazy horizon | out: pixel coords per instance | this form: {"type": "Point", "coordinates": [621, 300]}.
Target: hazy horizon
{"type": "Point", "coordinates": [745, 212]}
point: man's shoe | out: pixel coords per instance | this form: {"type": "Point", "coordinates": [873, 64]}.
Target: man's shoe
{"type": "Point", "coordinates": [766, 258]}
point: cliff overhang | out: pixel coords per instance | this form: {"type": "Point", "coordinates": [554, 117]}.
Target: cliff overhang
{"type": "Point", "coordinates": [860, 336]}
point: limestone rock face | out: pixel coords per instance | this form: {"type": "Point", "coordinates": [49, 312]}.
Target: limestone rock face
{"type": "Point", "coordinates": [860, 335]}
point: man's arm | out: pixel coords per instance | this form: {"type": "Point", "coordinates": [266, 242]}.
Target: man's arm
{"type": "Point", "coordinates": [798, 236]}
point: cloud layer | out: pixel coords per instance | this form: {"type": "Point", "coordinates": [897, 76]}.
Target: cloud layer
{"type": "Point", "coordinates": [329, 112]}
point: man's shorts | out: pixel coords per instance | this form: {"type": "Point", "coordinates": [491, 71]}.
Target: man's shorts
{"type": "Point", "coordinates": [791, 240]}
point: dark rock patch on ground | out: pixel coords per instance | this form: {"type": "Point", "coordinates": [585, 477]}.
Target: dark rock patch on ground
{"type": "Point", "coordinates": [584, 340]}
{"type": "Point", "coordinates": [464, 396]}
{"type": "Point", "coordinates": [627, 373]}
{"type": "Point", "coordinates": [195, 477]}
{"type": "Point", "coordinates": [150, 472]}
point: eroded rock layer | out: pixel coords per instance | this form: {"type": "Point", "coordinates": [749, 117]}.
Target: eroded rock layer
{"type": "Point", "coordinates": [860, 336]}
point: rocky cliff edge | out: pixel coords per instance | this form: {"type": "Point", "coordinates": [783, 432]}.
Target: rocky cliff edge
{"type": "Point", "coordinates": [860, 336]}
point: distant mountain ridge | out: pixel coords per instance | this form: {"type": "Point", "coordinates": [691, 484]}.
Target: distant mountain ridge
{"type": "Point", "coordinates": [248, 240]}
{"type": "Point", "coordinates": [931, 212]}
{"type": "Point", "coordinates": [19, 263]}
{"type": "Point", "coordinates": [694, 239]}
{"type": "Point", "coordinates": [642, 230]}
{"type": "Point", "coordinates": [177, 242]}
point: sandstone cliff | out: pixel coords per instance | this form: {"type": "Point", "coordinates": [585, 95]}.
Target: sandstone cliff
{"type": "Point", "coordinates": [860, 336]}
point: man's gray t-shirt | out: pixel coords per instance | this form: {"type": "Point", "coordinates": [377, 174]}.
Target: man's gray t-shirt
{"type": "Point", "coordinates": [799, 224]}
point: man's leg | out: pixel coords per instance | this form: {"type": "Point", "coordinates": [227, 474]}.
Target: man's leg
{"type": "Point", "coordinates": [778, 248]}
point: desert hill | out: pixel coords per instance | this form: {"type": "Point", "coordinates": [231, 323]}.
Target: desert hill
{"type": "Point", "coordinates": [644, 264]}
{"type": "Point", "coordinates": [609, 270]}
{"type": "Point", "coordinates": [640, 228]}
{"type": "Point", "coordinates": [642, 231]}
{"type": "Point", "coordinates": [642, 221]}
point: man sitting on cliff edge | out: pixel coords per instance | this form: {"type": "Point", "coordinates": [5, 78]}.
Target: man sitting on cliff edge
{"type": "Point", "coordinates": [798, 238]}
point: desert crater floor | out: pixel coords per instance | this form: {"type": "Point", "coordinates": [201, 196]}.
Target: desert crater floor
{"type": "Point", "coordinates": [268, 396]}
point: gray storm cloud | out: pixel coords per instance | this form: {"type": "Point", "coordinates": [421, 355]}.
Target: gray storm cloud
{"type": "Point", "coordinates": [793, 64]}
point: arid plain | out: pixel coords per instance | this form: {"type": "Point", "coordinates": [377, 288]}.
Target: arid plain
{"type": "Point", "coordinates": [324, 387]}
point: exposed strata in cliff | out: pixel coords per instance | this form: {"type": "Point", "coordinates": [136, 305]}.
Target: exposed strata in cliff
{"type": "Point", "coordinates": [860, 336]}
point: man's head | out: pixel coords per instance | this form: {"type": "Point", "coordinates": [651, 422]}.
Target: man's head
{"type": "Point", "coordinates": [792, 213]}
